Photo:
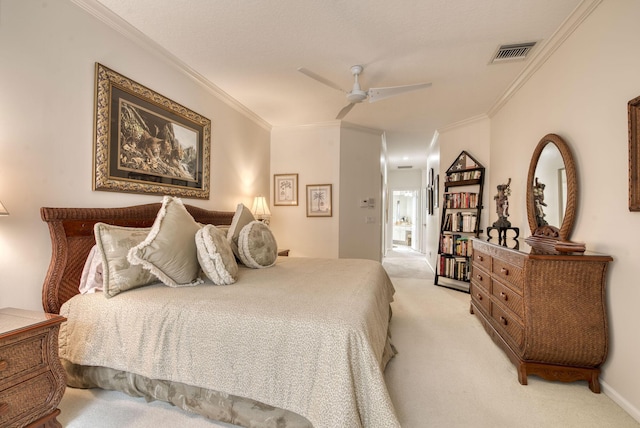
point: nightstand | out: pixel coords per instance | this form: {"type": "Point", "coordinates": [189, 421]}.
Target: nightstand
{"type": "Point", "coordinates": [32, 380]}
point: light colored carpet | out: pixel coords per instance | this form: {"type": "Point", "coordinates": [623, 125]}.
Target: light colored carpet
{"type": "Point", "coordinates": [447, 374]}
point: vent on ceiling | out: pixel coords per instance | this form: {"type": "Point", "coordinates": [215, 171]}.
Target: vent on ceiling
{"type": "Point", "coordinates": [512, 52]}
{"type": "Point", "coordinates": [405, 166]}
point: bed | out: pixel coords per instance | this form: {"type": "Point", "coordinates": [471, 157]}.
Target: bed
{"type": "Point", "coordinates": [301, 343]}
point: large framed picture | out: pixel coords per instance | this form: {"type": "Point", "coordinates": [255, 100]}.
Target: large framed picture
{"type": "Point", "coordinates": [285, 189]}
{"type": "Point", "coordinates": [633, 109]}
{"type": "Point", "coordinates": [319, 200]}
{"type": "Point", "coordinates": [146, 143]}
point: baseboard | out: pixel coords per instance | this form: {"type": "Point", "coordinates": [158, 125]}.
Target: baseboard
{"type": "Point", "coordinates": [620, 400]}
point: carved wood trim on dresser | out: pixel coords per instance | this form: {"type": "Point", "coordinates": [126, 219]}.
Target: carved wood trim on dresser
{"type": "Point", "coordinates": [546, 311]}
{"type": "Point", "coordinates": [32, 380]}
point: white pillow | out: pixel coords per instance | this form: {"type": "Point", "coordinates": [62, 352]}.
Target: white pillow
{"type": "Point", "coordinates": [169, 251]}
{"type": "Point", "coordinates": [91, 278]}
{"type": "Point", "coordinates": [215, 255]}
{"type": "Point", "coordinates": [241, 218]}
{"type": "Point", "coordinates": [257, 245]}
{"type": "Point", "coordinates": [113, 244]}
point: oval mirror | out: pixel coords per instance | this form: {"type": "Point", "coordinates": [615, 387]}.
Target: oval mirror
{"type": "Point", "coordinates": [552, 194]}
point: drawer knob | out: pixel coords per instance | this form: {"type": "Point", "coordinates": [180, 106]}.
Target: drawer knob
{"type": "Point", "coordinates": [479, 296]}
{"type": "Point", "coordinates": [504, 296]}
{"type": "Point", "coordinates": [3, 365]}
{"type": "Point", "coordinates": [504, 271]}
{"type": "Point", "coordinates": [503, 320]}
{"type": "Point", "coordinates": [479, 277]}
{"type": "Point", "coordinates": [480, 258]}
{"type": "Point", "coordinates": [4, 408]}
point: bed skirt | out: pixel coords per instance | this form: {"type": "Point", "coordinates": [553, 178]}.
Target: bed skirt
{"type": "Point", "coordinates": [215, 405]}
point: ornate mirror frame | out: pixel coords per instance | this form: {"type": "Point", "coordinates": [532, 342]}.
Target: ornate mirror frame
{"type": "Point", "coordinates": [550, 238]}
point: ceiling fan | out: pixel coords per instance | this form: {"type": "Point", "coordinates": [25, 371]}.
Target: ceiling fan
{"type": "Point", "coordinates": [357, 95]}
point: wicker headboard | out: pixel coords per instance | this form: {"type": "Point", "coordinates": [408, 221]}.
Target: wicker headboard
{"type": "Point", "coordinates": [72, 237]}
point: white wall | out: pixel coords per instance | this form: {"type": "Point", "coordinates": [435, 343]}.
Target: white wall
{"type": "Point", "coordinates": [581, 93]}
{"type": "Point", "coordinates": [346, 157]}
{"type": "Point", "coordinates": [360, 178]}
{"type": "Point", "coordinates": [312, 152]}
{"type": "Point", "coordinates": [48, 52]}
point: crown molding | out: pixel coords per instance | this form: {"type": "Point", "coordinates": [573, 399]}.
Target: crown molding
{"type": "Point", "coordinates": [462, 123]}
{"type": "Point", "coordinates": [541, 55]}
{"type": "Point", "coordinates": [105, 15]}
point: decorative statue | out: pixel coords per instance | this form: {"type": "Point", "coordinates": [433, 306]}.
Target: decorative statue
{"type": "Point", "coordinates": [502, 205]}
{"type": "Point", "coordinates": [538, 199]}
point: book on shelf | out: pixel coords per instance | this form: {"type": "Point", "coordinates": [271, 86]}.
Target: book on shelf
{"type": "Point", "coordinates": [454, 244]}
{"type": "Point", "coordinates": [464, 175]}
{"type": "Point", "coordinates": [461, 200]}
{"type": "Point", "coordinates": [454, 267]}
{"type": "Point", "coordinates": [460, 222]}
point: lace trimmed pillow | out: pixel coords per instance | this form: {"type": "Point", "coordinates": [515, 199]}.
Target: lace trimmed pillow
{"type": "Point", "coordinates": [91, 278]}
{"type": "Point", "coordinates": [215, 255]}
{"type": "Point", "coordinates": [169, 251]}
{"type": "Point", "coordinates": [257, 246]}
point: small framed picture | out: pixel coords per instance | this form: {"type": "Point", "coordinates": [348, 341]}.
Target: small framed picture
{"type": "Point", "coordinates": [319, 200]}
{"type": "Point", "coordinates": [285, 189]}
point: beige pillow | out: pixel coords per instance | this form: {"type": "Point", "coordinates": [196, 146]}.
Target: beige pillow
{"type": "Point", "coordinates": [113, 243]}
{"type": "Point", "coordinates": [241, 218]}
{"type": "Point", "coordinates": [215, 255]}
{"type": "Point", "coordinates": [169, 251]}
{"type": "Point", "coordinates": [257, 246]}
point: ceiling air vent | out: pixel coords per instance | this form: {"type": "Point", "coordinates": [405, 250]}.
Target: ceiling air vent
{"type": "Point", "coordinates": [405, 166]}
{"type": "Point", "coordinates": [512, 52]}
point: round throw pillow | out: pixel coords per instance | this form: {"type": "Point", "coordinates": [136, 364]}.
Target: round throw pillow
{"type": "Point", "coordinates": [215, 256]}
{"type": "Point", "coordinates": [257, 245]}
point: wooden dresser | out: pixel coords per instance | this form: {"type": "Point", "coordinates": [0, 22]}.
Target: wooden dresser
{"type": "Point", "coordinates": [32, 380]}
{"type": "Point", "coordinates": [547, 312]}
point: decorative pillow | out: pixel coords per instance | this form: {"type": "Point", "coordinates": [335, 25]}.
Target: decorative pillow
{"type": "Point", "coordinates": [91, 278]}
{"type": "Point", "coordinates": [169, 251]}
{"type": "Point", "coordinates": [113, 243]}
{"type": "Point", "coordinates": [241, 218]}
{"type": "Point", "coordinates": [257, 245]}
{"type": "Point", "coordinates": [215, 255]}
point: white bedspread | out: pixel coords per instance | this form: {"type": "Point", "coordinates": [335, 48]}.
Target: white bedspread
{"type": "Point", "coordinates": [306, 335]}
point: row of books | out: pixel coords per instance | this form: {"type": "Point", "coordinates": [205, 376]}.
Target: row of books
{"type": "Point", "coordinates": [461, 200]}
{"type": "Point", "coordinates": [458, 245]}
{"type": "Point", "coordinates": [460, 222]}
{"type": "Point", "coordinates": [466, 175]}
{"type": "Point", "coordinates": [454, 267]}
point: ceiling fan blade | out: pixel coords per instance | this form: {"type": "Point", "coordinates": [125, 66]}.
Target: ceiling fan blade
{"type": "Point", "coordinates": [344, 111]}
{"type": "Point", "coordinates": [377, 94]}
{"type": "Point", "coordinates": [320, 79]}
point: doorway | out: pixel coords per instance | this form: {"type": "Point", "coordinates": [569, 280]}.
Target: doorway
{"type": "Point", "coordinates": [405, 219]}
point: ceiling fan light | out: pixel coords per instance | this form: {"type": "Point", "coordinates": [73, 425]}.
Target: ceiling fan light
{"type": "Point", "coordinates": [356, 96]}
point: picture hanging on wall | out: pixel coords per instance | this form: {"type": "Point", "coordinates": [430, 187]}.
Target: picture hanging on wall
{"type": "Point", "coordinates": [319, 200]}
{"type": "Point", "coordinates": [147, 143]}
{"type": "Point", "coordinates": [285, 189]}
{"type": "Point", "coordinates": [634, 154]}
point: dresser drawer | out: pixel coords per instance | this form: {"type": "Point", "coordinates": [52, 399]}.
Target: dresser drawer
{"type": "Point", "coordinates": [513, 329]}
{"type": "Point", "coordinates": [481, 278]}
{"type": "Point", "coordinates": [480, 297]}
{"type": "Point", "coordinates": [24, 400]}
{"type": "Point", "coordinates": [21, 357]}
{"type": "Point", "coordinates": [507, 272]}
{"type": "Point", "coordinates": [482, 259]}
{"type": "Point", "coordinates": [509, 298]}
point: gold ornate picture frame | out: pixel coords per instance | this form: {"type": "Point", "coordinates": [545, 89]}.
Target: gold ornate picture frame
{"type": "Point", "coordinates": [634, 154]}
{"type": "Point", "coordinates": [146, 143]}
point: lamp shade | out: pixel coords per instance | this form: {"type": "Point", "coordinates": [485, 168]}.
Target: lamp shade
{"type": "Point", "coordinates": [260, 208]}
{"type": "Point", "coordinates": [3, 210]}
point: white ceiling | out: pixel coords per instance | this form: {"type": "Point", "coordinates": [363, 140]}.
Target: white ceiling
{"type": "Point", "coordinates": [251, 50]}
